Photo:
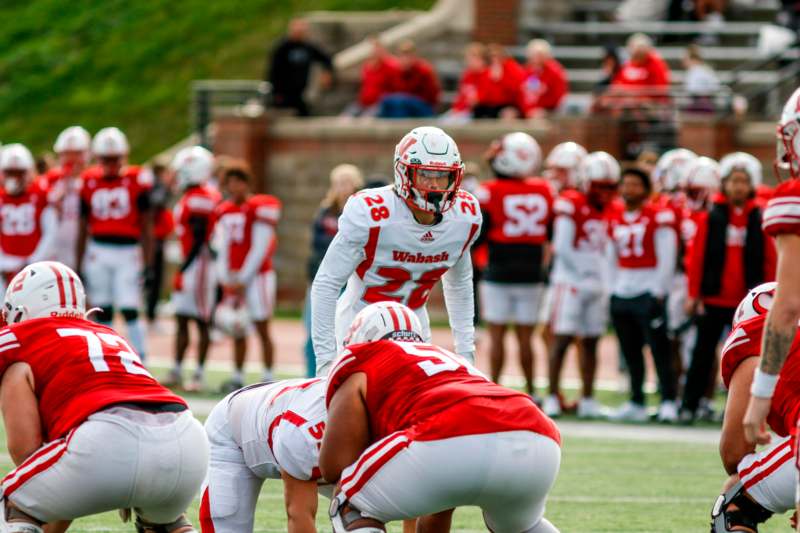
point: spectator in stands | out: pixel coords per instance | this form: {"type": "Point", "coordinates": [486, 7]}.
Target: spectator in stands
{"type": "Point", "coordinates": [645, 71]}
{"type": "Point", "coordinates": [345, 180]}
{"type": "Point", "coordinates": [701, 81]}
{"type": "Point", "coordinates": [499, 95]}
{"type": "Point", "coordinates": [377, 76]}
{"type": "Point", "coordinates": [729, 256]}
{"type": "Point", "coordinates": [610, 65]}
{"type": "Point", "coordinates": [476, 60]}
{"type": "Point", "coordinates": [290, 68]}
{"type": "Point", "coordinates": [415, 88]}
{"type": "Point", "coordinates": [545, 83]}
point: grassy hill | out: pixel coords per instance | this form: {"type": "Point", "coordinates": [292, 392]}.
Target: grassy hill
{"type": "Point", "coordinates": [130, 63]}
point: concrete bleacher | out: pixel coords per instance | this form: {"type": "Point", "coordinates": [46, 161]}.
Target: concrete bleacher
{"type": "Point", "coordinates": [578, 43]}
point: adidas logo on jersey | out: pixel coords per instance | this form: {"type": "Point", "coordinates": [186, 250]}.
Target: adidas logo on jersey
{"type": "Point", "coordinates": [428, 237]}
{"type": "Point", "coordinates": [406, 257]}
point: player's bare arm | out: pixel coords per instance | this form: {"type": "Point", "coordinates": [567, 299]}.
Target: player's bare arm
{"type": "Point", "coordinates": [347, 431]}
{"type": "Point", "coordinates": [20, 412]}
{"type": "Point", "coordinates": [300, 498]}
{"type": "Point", "coordinates": [779, 333]}
{"type": "Point", "coordinates": [732, 443]}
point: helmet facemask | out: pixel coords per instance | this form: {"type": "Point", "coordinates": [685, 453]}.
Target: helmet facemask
{"type": "Point", "coordinates": [787, 162]}
{"type": "Point", "coordinates": [428, 190]}
{"type": "Point", "coordinates": [15, 181]}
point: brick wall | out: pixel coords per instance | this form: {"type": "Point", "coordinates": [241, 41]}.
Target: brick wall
{"type": "Point", "coordinates": [496, 21]}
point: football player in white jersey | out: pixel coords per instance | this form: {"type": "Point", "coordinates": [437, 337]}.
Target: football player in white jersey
{"type": "Point", "coordinates": [395, 243]}
{"type": "Point", "coordinates": [265, 431]}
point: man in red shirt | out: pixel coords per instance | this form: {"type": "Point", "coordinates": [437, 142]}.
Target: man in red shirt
{"type": "Point", "coordinates": [545, 84]}
{"type": "Point", "coordinates": [729, 255]}
{"type": "Point", "coordinates": [645, 72]}
{"type": "Point", "coordinates": [28, 223]}
{"type": "Point", "coordinates": [500, 87]}
{"type": "Point", "coordinates": [116, 232]}
{"type": "Point", "coordinates": [517, 211]}
{"type": "Point", "coordinates": [467, 95]}
{"type": "Point", "coordinates": [403, 413]}
{"type": "Point", "coordinates": [62, 184]}
{"type": "Point", "coordinates": [195, 283]}
{"type": "Point", "coordinates": [246, 226]}
{"type": "Point", "coordinates": [88, 427]}
{"type": "Point", "coordinates": [377, 76]}
{"type": "Point", "coordinates": [415, 89]}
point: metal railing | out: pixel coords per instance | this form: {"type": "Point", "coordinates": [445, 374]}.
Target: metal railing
{"type": "Point", "coordinates": [212, 96]}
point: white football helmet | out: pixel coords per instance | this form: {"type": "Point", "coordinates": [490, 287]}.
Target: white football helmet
{"type": "Point", "coordinates": [787, 160]}
{"type": "Point", "coordinates": [757, 302]}
{"type": "Point", "coordinates": [73, 139]}
{"type": "Point", "coordinates": [598, 167]}
{"type": "Point", "coordinates": [745, 162]}
{"type": "Point", "coordinates": [231, 317]}
{"type": "Point", "coordinates": [516, 155]}
{"type": "Point", "coordinates": [193, 166]}
{"type": "Point", "coordinates": [700, 180]}
{"type": "Point", "coordinates": [670, 167]}
{"type": "Point", "coordinates": [384, 320]}
{"type": "Point", "coordinates": [17, 167]}
{"type": "Point", "coordinates": [110, 142]}
{"type": "Point", "coordinates": [567, 156]}
{"type": "Point", "coordinates": [427, 152]}
{"type": "Point", "coordinates": [44, 289]}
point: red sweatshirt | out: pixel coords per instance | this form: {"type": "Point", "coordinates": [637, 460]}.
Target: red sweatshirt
{"type": "Point", "coordinates": [502, 90]}
{"type": "Point", "coordinates": [376, 79]}
{"type": "Point", "coordinates": [544, 87]}
{"type": "Point", "coordinates": [419, 80]}
{"type": "Point", "coordinates": [734, 286]}
{"type": "Point", "coordinates": [468, 87]}
{"type": "Point", "coordinates": [652, 72]}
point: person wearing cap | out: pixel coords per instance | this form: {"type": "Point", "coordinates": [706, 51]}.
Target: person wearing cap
{"type": "Point", "coordinates": [545, 83]}
{"type": "Point", "coordinates": [729, 256]}
{"type": "Point", "coordinates": [415, 89]}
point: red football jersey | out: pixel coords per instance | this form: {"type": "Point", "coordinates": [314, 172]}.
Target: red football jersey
{"type": "Point", "coordinates": [113, 204]}
{"type": "Point", "coordinates": [590, 223]}
{"type": "Point", "coordinates": [745, 341]}
{"type": "Point", "coordinates": [674, 203]}
{"type": "Point", "coordinates": [520, 210]}
{"type": "Point", "coordinates": [197, 202]}
{"type": "Point", "coordinates": [635, 238]}
{"type": "Point", "coordinates": [432, 394]}
{"type": "Point", "coordinates": [20, 221]}
{"type": "Point", "coordinates": [79, 367]}
{"type": "Point", "coordinates": [782, 214]}
{"type": "Point", "coordinates": [238, 220]}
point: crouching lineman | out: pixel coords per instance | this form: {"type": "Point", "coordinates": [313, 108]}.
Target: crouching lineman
{"type": "Point", "coordinates": [760, 483]}
{"type": "Point", "coordinates": [88, 427]}
{"type": "Point", "coordinates": [400, 450]}
{"type": "Point", "coordinates": [265, 431]}
{"type": "Point", "coordinates": [396, 242]}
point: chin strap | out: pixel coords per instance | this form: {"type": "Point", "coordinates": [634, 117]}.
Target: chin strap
{"type": "Point", "coordinates": [747, 514]}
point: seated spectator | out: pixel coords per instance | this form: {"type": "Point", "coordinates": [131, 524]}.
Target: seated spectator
{"type": "Point", "coordinates": [701, 81]}
{"type": "Point", "coordinates": [610, 65]}
{"type": "Point", "coordinates": [545, 83]}
{"type": "Point", "coordinates": [377, 76]}
{"type": "Point", "coordinates": [645, 71]}
{"type": "Point", "coordinates": [290, 68]}
{"type": "Point", "coordinates": [499, 94]}
{"type": "Point", "coordinates": [415, 88]}
{"type": "Point", "coordinates": [476, 60]}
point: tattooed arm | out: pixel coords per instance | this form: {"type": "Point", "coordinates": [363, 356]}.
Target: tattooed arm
{"type": "Point", "coordinates": [779, 333]}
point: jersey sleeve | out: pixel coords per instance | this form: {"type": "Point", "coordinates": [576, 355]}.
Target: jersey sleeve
{"type": "Point", "coordinates": [740, 345]}
{"type": "Point", "coordinates": [782, 214]}
{"type": "Point", "coordinates": [355, 220]}
{"type": "Point", "coordinates": [268, 211]}
{"type": "Point", "coordinates": [9, 347]}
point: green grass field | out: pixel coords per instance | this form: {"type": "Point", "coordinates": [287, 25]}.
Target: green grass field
{"type": "Point", "coordinates": [605, 485]}
{"type": "Point", "coordinates": [130, 64]}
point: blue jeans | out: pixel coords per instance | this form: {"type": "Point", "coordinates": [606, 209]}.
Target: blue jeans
{"type": "Point", "coordinates": [401, 105]}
